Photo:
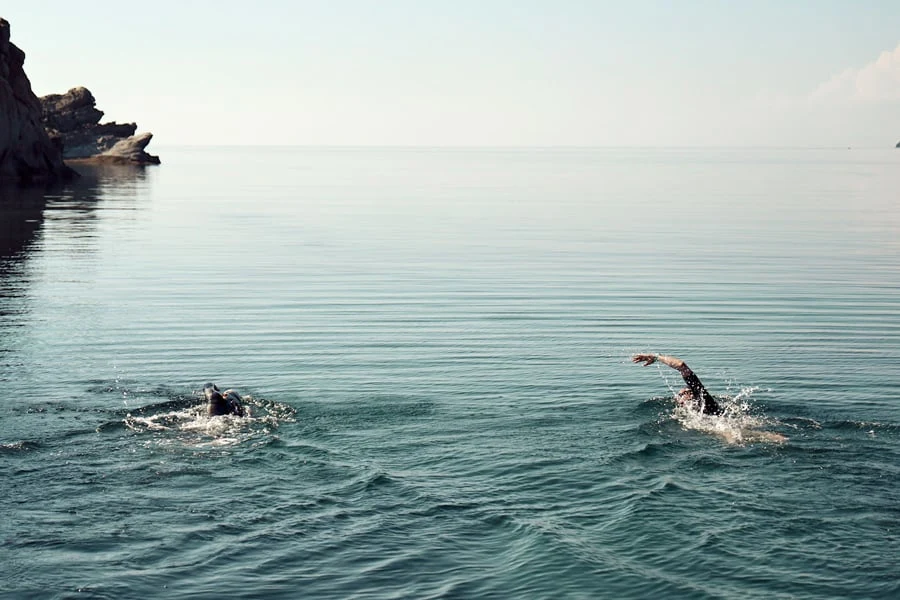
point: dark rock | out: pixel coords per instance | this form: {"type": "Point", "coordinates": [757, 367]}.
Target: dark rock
{"type": "Point", "coordinates": [84, 142]}
{"type": "Point", "coordinates": [74, 120]}
{"type": "Point", "coordinates": [26, 151]}
{"type": "Point", "coordinates": [70, 111]}
{"type": "Point", "coordinates": [898, 144]}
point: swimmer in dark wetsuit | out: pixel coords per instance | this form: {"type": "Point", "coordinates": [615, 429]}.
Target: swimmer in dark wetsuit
{"type": "Point", "coordinates": [219, 404]}
{"type": "Point", "coordinates": [695, 393]}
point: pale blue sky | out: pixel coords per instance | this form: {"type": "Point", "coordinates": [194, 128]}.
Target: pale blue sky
{"type": "Point", "coordinates": [489, 72]}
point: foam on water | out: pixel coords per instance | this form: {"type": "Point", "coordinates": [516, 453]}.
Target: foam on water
{"type": "Point", "coordinates": [739, 422]}
{"type": "Point", "coordinates": [191, 425]}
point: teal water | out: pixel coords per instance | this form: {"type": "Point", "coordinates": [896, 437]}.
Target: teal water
{"type": "Point", "coordinates": [434, 345]}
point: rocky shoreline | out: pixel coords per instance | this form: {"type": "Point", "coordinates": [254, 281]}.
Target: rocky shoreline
{"type": "Point", "coordinates": [26, 152]}
{"type": "Point", "coordinates": [73, 121]}
{"type": "Point", "coordinates": [39, 136]}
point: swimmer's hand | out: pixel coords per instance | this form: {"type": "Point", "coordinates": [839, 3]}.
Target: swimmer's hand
{"type": "Point", "coordinates": [647, 359]}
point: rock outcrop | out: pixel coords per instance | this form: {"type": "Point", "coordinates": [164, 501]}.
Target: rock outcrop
{"type": "Point", "coordinates": [26, 152]}
{"type": "Point", "coordinates": [128, 151]}
{"type": "Point", "coordinates": [898, 144]}
{"type": "Point", "coordinates": [74, 120]}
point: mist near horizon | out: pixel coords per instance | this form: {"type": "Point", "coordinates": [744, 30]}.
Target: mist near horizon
{"type": "Point", "coordinates": [479, 74]}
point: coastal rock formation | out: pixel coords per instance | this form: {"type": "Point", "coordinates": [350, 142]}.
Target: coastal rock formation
{"type": "Point", "coordinates": [127, 151]}
{"type": "Point", "coordinates": [74, 120]}
{"type": "Point", "coordinates": [26, 151]}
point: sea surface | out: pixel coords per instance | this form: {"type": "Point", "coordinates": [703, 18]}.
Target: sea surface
{"type": "Point", "coordinates": [434, 347]}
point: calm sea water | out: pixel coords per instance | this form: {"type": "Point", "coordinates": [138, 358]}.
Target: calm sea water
{"type": "Point", "coordinates": [434, 345]}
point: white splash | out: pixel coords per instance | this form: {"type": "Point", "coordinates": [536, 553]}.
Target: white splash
{"type": "Point", "coordinates": [195, 427]}
{"type": "Point", "coordinates": [736, 425]}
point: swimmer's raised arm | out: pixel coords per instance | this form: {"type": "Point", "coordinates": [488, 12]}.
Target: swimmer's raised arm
{"type": "Point", "coordinates": [649, 359]}
{"type": "Point", "coordinates": [693, 382]}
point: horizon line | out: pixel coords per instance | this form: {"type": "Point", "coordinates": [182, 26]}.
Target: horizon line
{"type": "Point", "coordinates": [525, 147]}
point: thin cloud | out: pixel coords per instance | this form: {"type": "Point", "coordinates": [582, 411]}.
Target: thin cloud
{"type": "Point", "coordinates": [878, 81]}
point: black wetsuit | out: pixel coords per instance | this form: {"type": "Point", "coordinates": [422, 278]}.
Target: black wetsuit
{"type": "Point", "coordinates": [702, 399]}
{"type": "Point", "coordinates": [229, 404]}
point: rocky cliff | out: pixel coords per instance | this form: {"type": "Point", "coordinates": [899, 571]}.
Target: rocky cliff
{"type": "Point", "coordinates": [26, 151]}
{"type": "Point", "coordinates": [73, 120]}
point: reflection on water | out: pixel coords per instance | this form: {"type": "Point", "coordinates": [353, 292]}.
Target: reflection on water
{"type": "Point", "coordinates": [24, 209]}
{"type": "Point", "coordinates": [36, 220]}
{"type": "Point", "coordinates": [21, 216]}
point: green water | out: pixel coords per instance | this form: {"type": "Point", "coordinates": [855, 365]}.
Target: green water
{"type": "Point", "coordinates": [434, 346]}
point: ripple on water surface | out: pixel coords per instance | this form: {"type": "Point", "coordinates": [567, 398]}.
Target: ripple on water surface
{"type": "Point", "coordinates": [434, 346]}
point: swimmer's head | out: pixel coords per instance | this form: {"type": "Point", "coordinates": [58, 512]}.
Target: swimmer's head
{"type": "Point", "coordinates": [208, 390]}
{"type": "Point", "coordinates": [684, 396]}
{"type": "Point", "coordinates": [217, 404]}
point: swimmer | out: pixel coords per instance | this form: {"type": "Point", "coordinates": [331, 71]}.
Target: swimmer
{"type": "Point", "coordinates": [695, 394]}
{"type": "Point", "coordinates": [218, 403]}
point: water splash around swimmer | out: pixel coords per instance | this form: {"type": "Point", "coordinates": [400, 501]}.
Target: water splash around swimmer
{"type": "Point", "coordinates": [738, 423]}
{"type": "Point", "coordinates": [730, 418]}
{"type": "Point", "coordinates": [193, 425]}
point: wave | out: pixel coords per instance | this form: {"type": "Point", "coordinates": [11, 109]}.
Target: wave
{"type": "Point", "coordinates": [870, 427]}
{"type": "Point", "coordinates": [20, 446]}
